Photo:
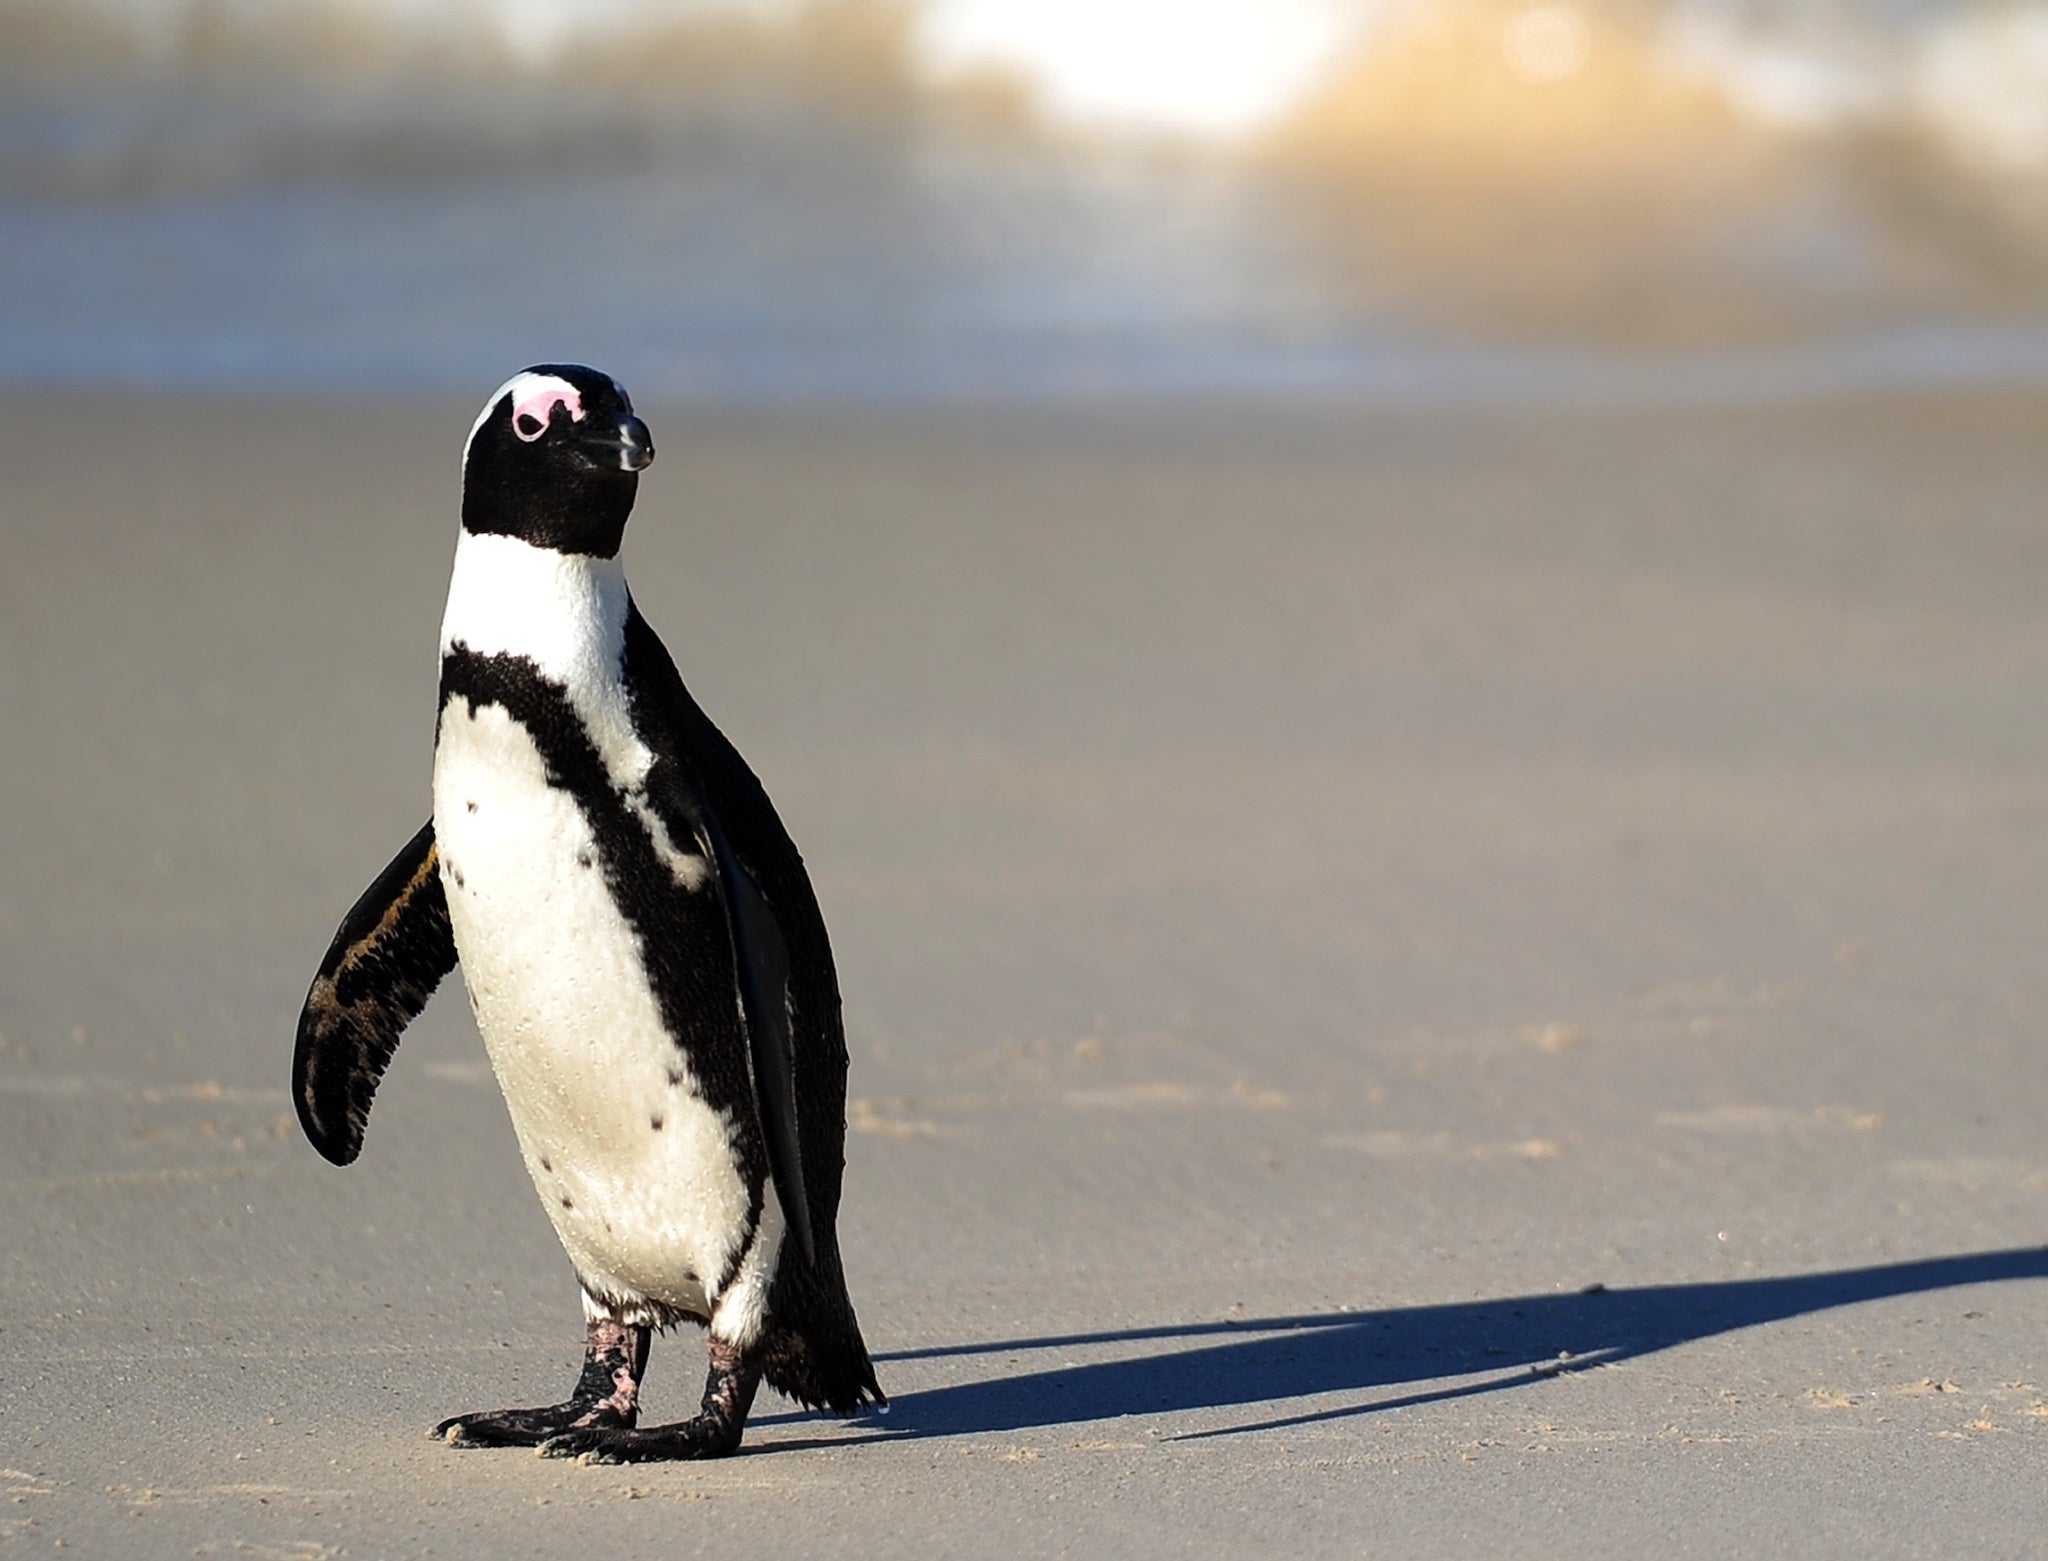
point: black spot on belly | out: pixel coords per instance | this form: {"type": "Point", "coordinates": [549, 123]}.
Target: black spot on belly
{"type": "Point", "coordinates": [455, 873]}
{"type": "Point", "coordinates": [675, 1078]}
{"type": "Point", "coordinates": [656, 1124]}
{"type": "Point", "coordinates": [546, 1164]}
{"type": "Point", "coordinates": [583, 859]}
{"type": "Point", "coordinates": [568, 1202]}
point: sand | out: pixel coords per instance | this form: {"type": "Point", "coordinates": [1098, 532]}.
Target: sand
{"type": "Point", "coordinates": [1418, 984]}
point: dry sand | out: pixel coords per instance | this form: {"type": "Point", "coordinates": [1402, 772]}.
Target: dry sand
{"type": "Point", "coordinates": [1318, 896]}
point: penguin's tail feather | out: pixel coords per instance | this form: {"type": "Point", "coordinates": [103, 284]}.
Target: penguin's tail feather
{"type": "Point", "coordinates": [822, 1369]}
{"type": "Point", "coordinates": [813, 1351]}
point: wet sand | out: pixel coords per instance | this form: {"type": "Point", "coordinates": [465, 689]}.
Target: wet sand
{"type": "Point", "coordinates": [1417, 984]}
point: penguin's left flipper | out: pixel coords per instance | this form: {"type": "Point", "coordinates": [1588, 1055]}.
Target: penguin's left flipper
{"type": "Point", "coordinates": [391, 952]}
{"type": "Point", "coordinates": [761, 961]}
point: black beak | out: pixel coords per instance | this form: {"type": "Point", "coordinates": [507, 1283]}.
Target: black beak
{"type": "Point", "coordinates": [626, 448]}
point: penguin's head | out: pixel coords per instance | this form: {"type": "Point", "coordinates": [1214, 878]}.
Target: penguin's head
{"type": "Point", "coordinates": [555, 460]}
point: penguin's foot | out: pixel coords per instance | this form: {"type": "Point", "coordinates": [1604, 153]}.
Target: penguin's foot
{"type": "Point", "coordinates": [716, 1431]}
{"type": "Point", "coordinates": [702, 1437]}
{"type": "Point", "coordinates": [527, 1427]}
{"type": "Point", "coordinates": [607, 1397]}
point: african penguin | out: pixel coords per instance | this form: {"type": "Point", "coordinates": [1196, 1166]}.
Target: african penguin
{"type": "Point", "coordinates": [646, 960]}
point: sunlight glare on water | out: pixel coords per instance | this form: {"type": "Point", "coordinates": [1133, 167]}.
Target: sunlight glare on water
{"type": "Point", "coordinates": [1546, 42]}
{"type": "Point", "coordinates": [1222, 67]}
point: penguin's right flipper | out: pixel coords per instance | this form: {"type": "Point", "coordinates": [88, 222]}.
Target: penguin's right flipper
{"type": "Point", "coordinates": [391, 952]}
{"type": "Point", "coordinates": [761, 961]}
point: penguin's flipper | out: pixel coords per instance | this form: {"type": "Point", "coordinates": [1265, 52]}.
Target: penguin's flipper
{"type": "Point", "coordinates": [391, 952]}
{"type": "Point", "coordinates": [761, 959]}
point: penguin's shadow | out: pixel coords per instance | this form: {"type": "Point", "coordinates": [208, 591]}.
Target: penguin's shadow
{"type": "Point", "coordinates": [1261, 1362]}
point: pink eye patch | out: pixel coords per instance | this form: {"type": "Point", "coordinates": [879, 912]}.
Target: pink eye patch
{"type": "Point", "coordinates": [530, 417]}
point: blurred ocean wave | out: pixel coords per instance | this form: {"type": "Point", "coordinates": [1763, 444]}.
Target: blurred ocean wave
{"type": "Point", "coordinates": [1466, 198]}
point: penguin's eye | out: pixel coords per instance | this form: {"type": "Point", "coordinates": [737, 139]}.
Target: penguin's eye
{"type": "Point", "coordinates": [529, 426]}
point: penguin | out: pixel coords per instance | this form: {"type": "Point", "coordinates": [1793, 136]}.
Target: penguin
{"type": "Point", "coordinates": [645, 957]}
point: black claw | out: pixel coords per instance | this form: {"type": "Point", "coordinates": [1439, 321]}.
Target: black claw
{"type": "Point", "coordinates": [576, 1444]}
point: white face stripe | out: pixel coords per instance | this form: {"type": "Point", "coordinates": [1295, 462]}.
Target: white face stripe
{"type": "Point", "coordinates": [525, 389]}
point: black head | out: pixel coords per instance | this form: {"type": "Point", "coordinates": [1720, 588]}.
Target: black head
{"type": "Point", "coordinates": [555, 460]}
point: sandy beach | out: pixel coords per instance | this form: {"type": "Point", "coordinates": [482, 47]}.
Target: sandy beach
{"type": "Point", "coordinates": [1419, 983]}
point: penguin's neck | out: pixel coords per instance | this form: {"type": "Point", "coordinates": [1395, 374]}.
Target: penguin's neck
{"type": "Point", "coordinates": [565, 612]}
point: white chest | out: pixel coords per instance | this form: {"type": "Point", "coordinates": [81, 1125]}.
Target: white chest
{"type": "Point", "coordinates": [637, 1173]}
